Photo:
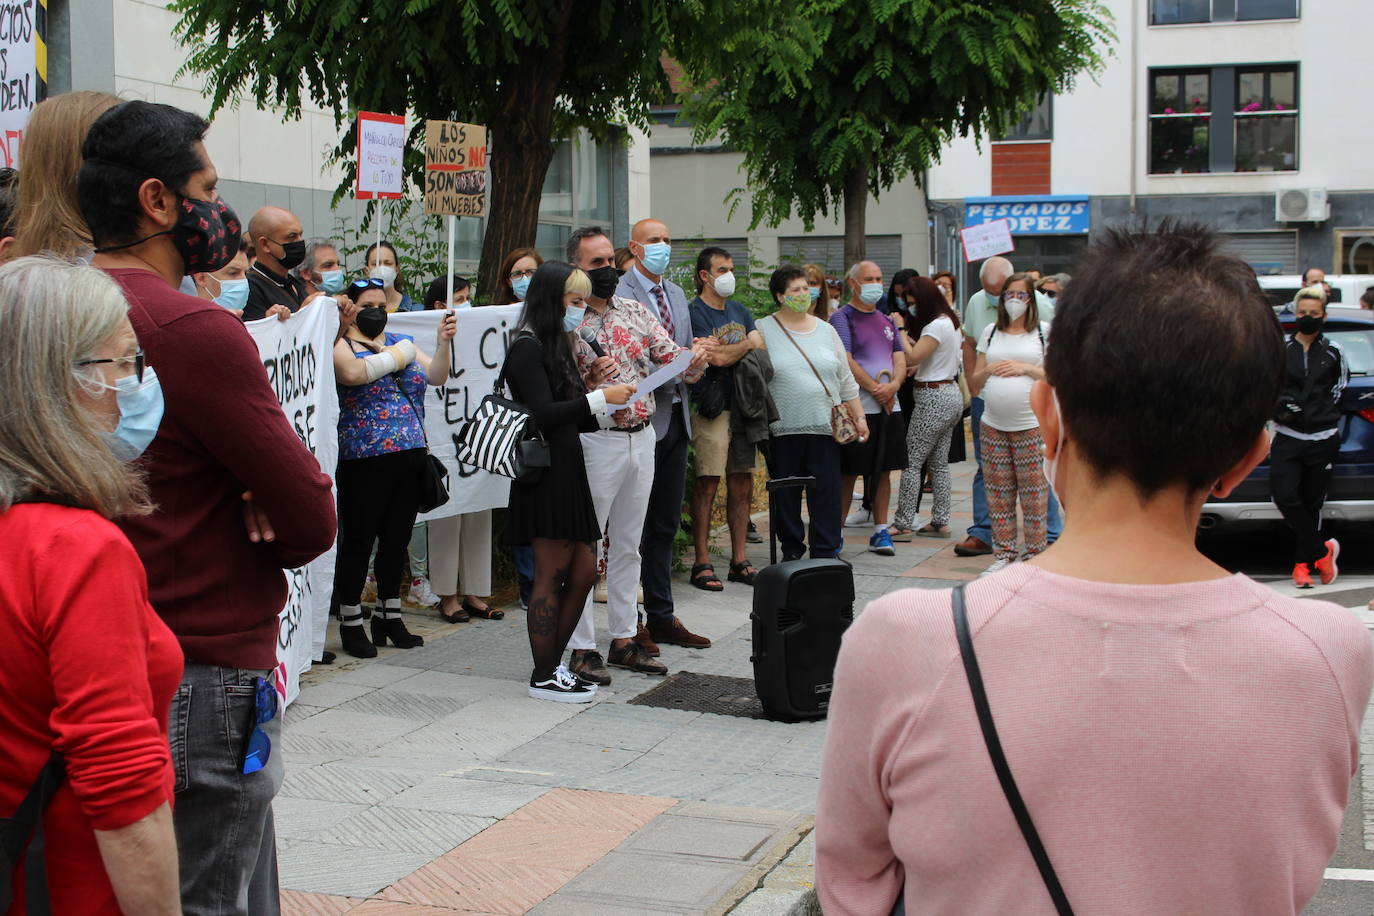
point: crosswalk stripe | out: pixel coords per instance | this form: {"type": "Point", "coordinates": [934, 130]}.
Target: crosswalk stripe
{"type": "Point", "coordinates": [1350, 874]}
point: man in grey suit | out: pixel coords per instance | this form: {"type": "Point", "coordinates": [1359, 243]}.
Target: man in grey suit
{"type": "Point", "coordinates": [651, 244]}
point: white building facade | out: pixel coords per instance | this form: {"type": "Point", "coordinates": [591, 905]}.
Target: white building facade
{"type": "Point", "coordinates": [1235, 113]}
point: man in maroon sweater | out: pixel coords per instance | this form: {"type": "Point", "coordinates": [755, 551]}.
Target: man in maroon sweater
{"type": "Point", "coordinates": [238, 496]}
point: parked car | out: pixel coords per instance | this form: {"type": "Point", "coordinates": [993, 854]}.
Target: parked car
{"type": "Point", "coordinates": [1350, 497]}
{"type": "Point", "coordinates": [1346, 289]}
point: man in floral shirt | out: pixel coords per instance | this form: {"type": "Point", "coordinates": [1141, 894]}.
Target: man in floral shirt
{"type": "Point", "coordinates": [620, 458]}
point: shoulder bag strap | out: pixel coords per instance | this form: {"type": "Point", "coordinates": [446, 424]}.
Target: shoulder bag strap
{"type": "Point", "coordinates": [804, 356]}
{"type": "Point", "coordinates": [999, 759]}
{"type": "Point", "coordinates": [413, 410]}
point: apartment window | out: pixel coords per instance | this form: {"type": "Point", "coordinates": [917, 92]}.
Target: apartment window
{"type": "Point", "coordinates": [1266, 120]}
{"type": "Point", "coordinates": [1178, 12]}
{"type": "Point", "coordinates": [1036, 124]}
{"type": "Point", "coordinates": [1224, 119]}
{"type": "Point", "coordinates": [1180, 121]}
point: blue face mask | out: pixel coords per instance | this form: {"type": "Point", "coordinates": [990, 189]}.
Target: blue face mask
{"type": "Point", "coordinates": [572, 317]}
{"type": "Point", "coordinates": [656, 257]}
{"type": "Point", "coordinates": [332, 281]}
{"type": "Point", "coordinates": [140, 414]}
{"type": "Point", "coordinates": [233, 294]}
{"type": "Point", "coordinates": [814, 292]}
{"type": "Point", "coordinates": [870, 293]}
{"type": "Point", "coordinates": [521, 286]}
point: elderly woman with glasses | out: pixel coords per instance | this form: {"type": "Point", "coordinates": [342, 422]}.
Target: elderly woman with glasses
{"type": "Point", "coordinates": [1011, 358]}
{"type": "Point", "coordinates": [90, 669]}
{"type": "Point", "coordinates": [381, 379]}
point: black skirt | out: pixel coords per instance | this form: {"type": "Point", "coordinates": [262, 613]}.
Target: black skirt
{"type": "Point", "coordinates": [559, 504]}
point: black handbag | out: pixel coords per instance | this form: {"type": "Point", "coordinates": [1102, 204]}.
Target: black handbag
{"type": "Point", "coordinates": [434, 477]}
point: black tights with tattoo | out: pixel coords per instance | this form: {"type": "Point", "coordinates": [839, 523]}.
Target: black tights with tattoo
{"type": "Point", "coordinates": [564, 572]}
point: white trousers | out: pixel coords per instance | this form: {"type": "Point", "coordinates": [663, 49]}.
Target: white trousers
{"type": "Point", "coordinates": [460, 549]}
{"type": "Point", "coordinates": [620, 471]}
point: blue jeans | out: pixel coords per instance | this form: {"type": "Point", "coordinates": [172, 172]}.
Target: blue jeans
{"type": "Point", "coordinates": [982, 522]}
{"type": "Point", "coordinates": [226, 839]}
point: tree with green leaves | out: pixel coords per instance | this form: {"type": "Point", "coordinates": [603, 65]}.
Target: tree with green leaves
{"type": "Point", "coordinates": [845, 97]}
{"type": "Point", "coordinates": [532, 71]}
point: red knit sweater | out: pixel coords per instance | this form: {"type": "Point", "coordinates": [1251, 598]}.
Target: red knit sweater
{"type": "Point", "coordinates": [90, 670]}
{"type": "Point", "coordinates": [222, 433]}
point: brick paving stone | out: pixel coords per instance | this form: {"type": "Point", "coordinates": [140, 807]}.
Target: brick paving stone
{"type": "Point", "coordinates": [302, 903]}
{"type": "Point", "coordinates": [626, 813]}
{"type": "Point", "coordinates": [469, 884]}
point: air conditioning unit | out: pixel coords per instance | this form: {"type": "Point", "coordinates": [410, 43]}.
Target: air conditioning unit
{"type": "Point", "coordinates": [1301, 205]}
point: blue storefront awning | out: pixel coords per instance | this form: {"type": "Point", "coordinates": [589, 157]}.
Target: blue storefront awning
{"type": "Point", "coordinates": [1050, 214]}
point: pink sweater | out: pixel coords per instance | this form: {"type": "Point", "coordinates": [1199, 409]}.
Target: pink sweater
{"type": "Point", "coordinates": [1181, 748]}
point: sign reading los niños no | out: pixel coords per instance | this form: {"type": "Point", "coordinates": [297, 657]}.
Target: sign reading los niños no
{"type": "Point", "coordinates": [455, 168]}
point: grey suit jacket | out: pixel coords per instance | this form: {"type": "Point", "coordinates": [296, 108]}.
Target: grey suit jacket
{"type": "Point", "coordinates": [635, 286]}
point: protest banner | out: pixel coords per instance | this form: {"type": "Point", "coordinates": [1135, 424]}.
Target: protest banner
{"type": "Point", "coordinates": [298, 357]}
{"type": "Point", "coordinates": [455, 168]}
{"type": "Point", "coordinates": [480, 349]}
{"type": "Point", "coordinates": [986, 239]}
{"type": "Point", "coordinates": [381, 145]}
{"type": "Point", "coordinates": [23, 71]}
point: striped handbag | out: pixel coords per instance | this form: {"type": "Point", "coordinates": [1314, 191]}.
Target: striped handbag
{"type": "Point", "coordinates": [503, 438]}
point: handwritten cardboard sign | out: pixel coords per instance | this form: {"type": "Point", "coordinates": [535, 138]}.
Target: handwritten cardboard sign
{"type": "Point", "coordinates": [455, 168]}
{"type": "Point", "coordinates": [23, 72]}
{"type": "Point", "coordinates": [987, 239]}
{"type": "Point", "coordinates": [381, 146]}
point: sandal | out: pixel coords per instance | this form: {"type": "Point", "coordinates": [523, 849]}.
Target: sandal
{"type": "Point", "coordinates": [743, 571]}
{"type": "Point", "coordinates": [933, 531]}
{"type": "Point", "coordinates": [486, 613]}
{"type": "Point", "coordinates": [899, 534]}
{"type": "Point", "coordinates": [704, 577]}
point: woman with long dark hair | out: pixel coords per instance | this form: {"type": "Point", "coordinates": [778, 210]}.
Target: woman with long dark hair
{"type": "Point", "coordinates": [554, 515]}
{"type": "Point", "coordinates": [517, 272]}
{"type": "Point", "coordinates": [933, 349]}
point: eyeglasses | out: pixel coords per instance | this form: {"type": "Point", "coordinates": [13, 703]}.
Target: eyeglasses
{"type": "Point", "coordinates": [367, 283]}
{"type": "Point", "coordinates": [1018, 296]}
{"type": "Point", "coordinates": [137, 360]}
{"type": "Point", "coordinates": [265, 710]}
{"type": "Point", "coordinates": [517, 274]}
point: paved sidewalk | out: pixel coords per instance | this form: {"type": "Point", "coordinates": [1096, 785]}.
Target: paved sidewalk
{"type": "Point", "coordinates": [426, 782]}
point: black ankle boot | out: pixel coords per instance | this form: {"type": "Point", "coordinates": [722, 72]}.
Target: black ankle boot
{"type": "Point", "coordinates": [395, 630]}
{"type": "Point", "coordinates": [356, 643]}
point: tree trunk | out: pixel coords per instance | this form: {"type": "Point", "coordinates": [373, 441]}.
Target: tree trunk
{"type": "Point", "coordinates": [520, 135]}
{"type": "Point", "coordinates": [855, 214]}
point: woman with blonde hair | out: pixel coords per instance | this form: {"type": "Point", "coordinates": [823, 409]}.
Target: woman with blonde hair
{"type": "Point", "coordinates": [90, 669]}
{"type": "Point", "coordinates": [48, 217]}
{"type": "Point", "coordinates": [818, 291]}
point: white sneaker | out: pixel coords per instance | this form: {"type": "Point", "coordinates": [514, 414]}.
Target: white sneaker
{"type": "Point", "coordinates": [996, 567]}
{"type": "Point", "coordinates": [421, 593]}
{"type": "Point", "coordinates": [858, 518]}
{"type": "Point", "coordinates": [563, 687]}
{"type": "Point", "coordinates": [599, 594]}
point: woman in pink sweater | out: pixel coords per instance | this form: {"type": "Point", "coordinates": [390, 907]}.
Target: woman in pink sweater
{"type": "Point", "coordinates": [1183, 738]}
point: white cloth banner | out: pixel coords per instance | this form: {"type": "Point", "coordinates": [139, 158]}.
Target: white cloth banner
{"type": "Point", "coordinates": [480, 348]}
{"type": "Point", "coordinates": [298, 356]}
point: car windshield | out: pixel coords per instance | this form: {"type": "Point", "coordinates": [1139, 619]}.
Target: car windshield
{"type": "Point", "coordinates": [1358, 347]}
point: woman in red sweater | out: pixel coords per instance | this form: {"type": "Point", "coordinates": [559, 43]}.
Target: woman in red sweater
{"type": "Point", "coordinates": [89, 668]}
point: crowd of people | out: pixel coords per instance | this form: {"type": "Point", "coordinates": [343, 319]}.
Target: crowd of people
{"type": "Point", "coordinates": [159, 530]}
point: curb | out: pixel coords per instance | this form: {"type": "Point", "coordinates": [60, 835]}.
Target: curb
{"type": "Point", "coordinates": [782, 884]}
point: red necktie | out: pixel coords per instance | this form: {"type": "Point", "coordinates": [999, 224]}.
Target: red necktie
{"type": "Point", "coordinates": [665, 312]}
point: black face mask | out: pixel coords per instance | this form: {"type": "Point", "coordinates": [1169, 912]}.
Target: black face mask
{"type": "Point", "coordinates": [604, 281]}
{"type": "Point", "coordinates": [371, 321]}
{"type": "Point", "coordinates": [1309, 324]}
{"type": "Point", "coordinates": [293, 253]}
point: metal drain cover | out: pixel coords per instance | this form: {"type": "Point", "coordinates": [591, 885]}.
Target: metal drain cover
{"type": "Point", "coordinates": [713, 693]}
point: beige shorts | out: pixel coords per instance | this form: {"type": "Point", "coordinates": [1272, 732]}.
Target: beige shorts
{"type": "Point", "coordinates": [711, 439]}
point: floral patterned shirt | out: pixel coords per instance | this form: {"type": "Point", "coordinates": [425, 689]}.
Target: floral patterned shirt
{"type": "Point", "coordinates": [634, 338]}
{"type": "Point", "coordinates": [376, 419]}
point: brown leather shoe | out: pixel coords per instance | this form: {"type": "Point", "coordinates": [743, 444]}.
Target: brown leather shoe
{"type": "Point", "coordinates": [646, 642]}
{"type": "Point", "coordinates": [972, 547]}
{"type": "Point", "coordinates": [675, 634]}
{"type": "Point", "coordinates": [632, 656]}
{"type": "Point", "coordinates": [589, 666]}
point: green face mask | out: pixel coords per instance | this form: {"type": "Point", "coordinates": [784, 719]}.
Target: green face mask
{"type": "Point", "coordinates": [797, 303]}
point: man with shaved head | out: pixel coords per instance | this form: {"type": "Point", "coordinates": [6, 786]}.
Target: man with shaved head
{"type": "Point", "coordinates": [979, 315]}
{"type": "Point", "coordinates": [280, 242]}
{"type": "Point", "coordinates": [652, 246]}
{"type": "Point", "coordinates": [878, 362]}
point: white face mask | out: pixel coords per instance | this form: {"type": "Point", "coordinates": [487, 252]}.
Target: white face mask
{"type": "Point", "coordinates": [1051, 465]}
{"type": "Point", "coordinates": [1016, 308]}
{"type": "Point", "coordinates": [385, 273]}
{"type": "Point", "coordinates": [724, 285]}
